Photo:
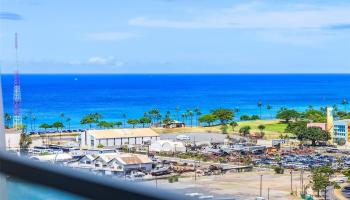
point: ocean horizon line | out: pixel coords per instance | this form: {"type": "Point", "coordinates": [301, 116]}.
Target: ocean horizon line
{"type": "Point", "coordinates": [345, 74]}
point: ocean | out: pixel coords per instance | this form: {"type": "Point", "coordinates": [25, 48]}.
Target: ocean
{"type": "Point", "coordinates": [46, 96]}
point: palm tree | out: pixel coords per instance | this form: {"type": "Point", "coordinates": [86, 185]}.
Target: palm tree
{"type": "Point", "coordinates": [345, 102]}
{"type": "Point", "coordinates": [45, 126]}
{"type": "Point", "coordinates": [269, 107]}
{"type": "Point", "coordinates": [198, 113]}
{"type": "Point", "coordinates": [68, 120]}
{"type": "Point", "coordinates": [34, 120]}
{"type": "Point", "coordinates": [133, 122]}
{"type": "Point", "coordinates": [25, 142]}
{"type": "Point", "coordinates": [58, 125]}
{"type": "Point", "coordinates": [190, 114]}
{"type": "Point", "coordinates": [124, 117]}
{"type": "Point", "coordinates": [260, 104]}
{"type": "Point", "coordinates": [118, 124]}
{"type": "Point", "coordinates": [184, 117]}
{"type": "Point", "coordinates": [8, 119]}
{"type": "Point", "coordinates": [62, 116]}
{"type": "Point", "coordinates": [30, 119]}
{"type": "Point", "coordinates": [177, 110]}
{"type": "Point", "coordinates": [25, 118]}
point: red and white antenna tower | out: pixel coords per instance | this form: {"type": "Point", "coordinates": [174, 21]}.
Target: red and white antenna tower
{"type": "Point", "coordinates": [17, 118]}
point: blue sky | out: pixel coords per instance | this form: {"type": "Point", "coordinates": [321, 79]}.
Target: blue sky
{"type": "Point", "coordinates": [176, 36]}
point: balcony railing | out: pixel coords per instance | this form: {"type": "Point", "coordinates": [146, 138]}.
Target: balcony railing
{"type": "Point", "coordinates": [79, 183]}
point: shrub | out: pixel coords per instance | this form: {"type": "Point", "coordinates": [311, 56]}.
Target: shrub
{"type": "Point", "coordinates": [254, 117]}
{"type": "Point", "coordinates": [279, 170]}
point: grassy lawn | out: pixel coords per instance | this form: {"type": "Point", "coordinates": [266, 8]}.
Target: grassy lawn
{"type": "Point", "coordinates": [273, 129]}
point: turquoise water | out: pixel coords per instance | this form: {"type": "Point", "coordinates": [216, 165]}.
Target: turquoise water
{"type": "Point", "coordinates": [112, 95]}
{"type": "Point", "coordinates": [18, 190]}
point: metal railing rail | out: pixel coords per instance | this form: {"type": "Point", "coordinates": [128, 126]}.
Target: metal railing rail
{"type": "Point", "coordinates": [75, 182]}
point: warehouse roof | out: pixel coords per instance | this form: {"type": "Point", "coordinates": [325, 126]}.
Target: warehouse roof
{"type": "Point", "coordinates": [123, 133]}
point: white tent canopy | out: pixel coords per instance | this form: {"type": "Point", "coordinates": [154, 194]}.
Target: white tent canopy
{"type": "Point", "coordinates": [167, 146]}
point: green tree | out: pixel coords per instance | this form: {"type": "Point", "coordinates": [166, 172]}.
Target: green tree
{"type": "Point", "coordinates": [260, 104]}
{"type": "Point", "coordinates": [254, 117]}
{"type": "Point", "coordinates": [207, 118]}
{"type": "Point", "coordinates": [144, 121]}
{"type": "Point", "coordinates": [154, 114]}
{"type": "Point", "coordinates": [261, 127]}
{"type": "Point", "coordinates": [287, 115]}
{"type": "Point", "coordinates": [45, 126]}
{"type": "Point", "coordinates": [92, 118]}
{"type": "Point", "coordinates": [245, 130]}
{"type": "Point", "coordinates": [320, 178]}
{"type": "Point", "coordinates": [224, 128]}
{"type": "Point", "coordinates": [314, 115]}
{"type": "Point", "coordinates": [233, 124]}
{"type": "Point", "coordinates": [167, 120]}
{"type": "Point", "coordinates": [57, 125]}
{"type": "Point", "coordinates": [313, 134]}
{"type": "Point", "coordinates": [105, 124]}
{"type": "Point", "coordinates": [223, 115]}
{"type": "Point", "coordinates": [133, 122]}
{"type": "Point", "coordinates": [245, 118]}
{"type": "Point", "coordinates": [24, 142]}
{"type": "Point", "coordinates": [118, 124]}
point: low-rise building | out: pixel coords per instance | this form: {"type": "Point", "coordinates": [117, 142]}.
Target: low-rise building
{"type": "Point", "coordinates": [115, 163]}
{"type": "Point", "coordinates": [320, 125]}
{"type": "Point", "coordinates": [117, 137]}
{"type": "Point", "coordinates": [341, 131]}
{"type": "Point", "coordinates": [167, 146]}
{"type": "Point", "coordinates": [12, 137]}
{"type": "Point", "coordinates": [174, 124]}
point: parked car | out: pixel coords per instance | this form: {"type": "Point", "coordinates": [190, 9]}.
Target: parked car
{"type": "Point", "coordinates": [183, 137]}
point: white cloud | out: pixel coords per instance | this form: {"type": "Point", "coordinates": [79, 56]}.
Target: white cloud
{"type": "Point", "coordinates": [97, 61]}
{"type": "Point", "coordinates": [257, 15]}
{"type": "Point", "coordinates": [111, 36]}
{"type": "Point", "coordinates": [111, 61]}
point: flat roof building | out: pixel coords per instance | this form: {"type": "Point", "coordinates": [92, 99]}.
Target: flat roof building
{"type": "Point", "coordinates": [341, 131]}
{"type": "Point", "coordinates": [117, 137]}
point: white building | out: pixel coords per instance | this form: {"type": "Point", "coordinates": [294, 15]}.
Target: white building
{"type": "Point", "coordinates": [115, 163]}
{"type": "Point", "coordinates": [167, 146]}
{"type": "Point", "coordinates": [117, 137]}
{"type": "Point", "coordinates": [12, 138]}
{"type": "Point", "coordinates": [52, 157]}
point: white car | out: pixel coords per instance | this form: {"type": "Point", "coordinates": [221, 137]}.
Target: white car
{"type": "Point", "coordinates": [183, 137]}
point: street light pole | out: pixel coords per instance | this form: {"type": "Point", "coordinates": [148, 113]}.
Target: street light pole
{"type": "Point", "coordinates": [268, 193]}
{"type": "Point", "coordinates": [261, 185]}
{"type": "Point", "coordinates": [291, 181]}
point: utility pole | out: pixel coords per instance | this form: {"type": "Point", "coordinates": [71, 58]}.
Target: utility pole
{"type": "Point", "coordinates": [302, 180]}
{"type": "Point", "coordinates": [291, 181]}
{"type": "Point", "coordinates": [261, 185]}
{"type": "Point", "coordinates": [195, 170]}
